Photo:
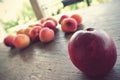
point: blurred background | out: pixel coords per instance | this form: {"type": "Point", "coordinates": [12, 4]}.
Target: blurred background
{"type": "Point", "coordinates": [14, 13]}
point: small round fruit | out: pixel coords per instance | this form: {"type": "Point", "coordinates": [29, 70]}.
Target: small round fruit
{"type": "Point", "coordinates": [42, 20]}
{"type": "Point", "coordinates": [27, 31]}
{"type": "Point", "coordinates": [78, 18]}
{"type": "Point", "coordinates": [69, 25]}
{"type": "Point", "coordinates": [92, 51]}
{"type": "Point", "coordinates": [31, 26]}
{"type": "Point", "coordinates": [21, 41]}
{"type": "Point", "coordinates": [62, 18]}
{"type": "Point", "coordinates": [52, 19]}
{"type": "Point", "coordinates": [8, 41]}
{"type": "Point", "coordinates": [50, 24]}
{"type": "Point", "coordinates": [21, 31]}
{"type": "Point", "coordinates": [34, 33]}
{"type": "Point", "coordinates": [46, 35]}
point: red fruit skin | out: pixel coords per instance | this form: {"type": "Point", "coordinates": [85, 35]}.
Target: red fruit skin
{"type": "Point", "coordinates": [69, 25]}
{"type": "Point", "coordinates": [21, 41]}
{"type": "Point", "coordinates": [21, 31]}
{"type": "Point", "coordinates": [62, 18]}
{"type": "Point", "coordinates": [52, 19]}
{"type": "Point", "coordinates": [42, 20]}
{"type": "Point", "coordinates": [27, 31]}
{"type": "Point", "coordinates": [8, 41]}
{"type": "Point", "coordinates": [50, 24]}
{"type": "Point", "coordinates": [46, 35]}
{"type": "Point", "coordinates": [34, 34]}
{"type": "Point", "coordinates": [78, 18]}
{"type": "Point", "coordinates": [93, 52]}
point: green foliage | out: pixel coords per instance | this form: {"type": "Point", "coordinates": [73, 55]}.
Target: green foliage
{"type": "Point", "coordinates": [25, 15]}
{"type": "Point", "coordinates": [1, 0]}
{"type": "Point", "coordinates": [8, 24]}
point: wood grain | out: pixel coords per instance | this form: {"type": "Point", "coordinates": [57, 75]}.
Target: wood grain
{"type": "Point", "coordinates": [51, 61]}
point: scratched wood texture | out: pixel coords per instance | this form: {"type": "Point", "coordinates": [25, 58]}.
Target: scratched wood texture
{"type": "Point", "coordinates": [51, 61]}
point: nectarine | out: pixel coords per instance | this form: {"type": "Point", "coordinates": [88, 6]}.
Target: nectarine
{"type": "Point", "coordinates": [27, 31]}
{"type": "Point", "coordinates": [42, 20]}
{"type": "Point", "coordinates": [46, 35]}
{"type": "Point", "coordinates": [53, 19]}
{"type": "Point", "coordinates": [21, 31]}
{"type": "Point", "coordinates": [34, 33]}
{"type": "Point", "coordinates": [69, 25]}
{"type": "Point", "coordinates": [50, 24]}
{"type": "Point", "coordinates": [8, 41]}
{"type": "Point", "coordinates": [62, 18]}
{"type": "Point", "coordinates": [77, 17]}
{"type": "Point", "coordinates": [21, 41]}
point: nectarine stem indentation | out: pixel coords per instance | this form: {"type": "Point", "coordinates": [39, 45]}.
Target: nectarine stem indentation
{"type": "Point", "coordinates": [90, 29]}
{"type": "Point", "coordinates": [69, 24]}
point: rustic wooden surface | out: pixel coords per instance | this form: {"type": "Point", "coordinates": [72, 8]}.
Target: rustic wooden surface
{"type": "Point", "coordinates": [51, 61]}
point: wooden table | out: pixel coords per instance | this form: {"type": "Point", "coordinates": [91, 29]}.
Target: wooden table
{"type": "Point", "coordinates": [51, 61]}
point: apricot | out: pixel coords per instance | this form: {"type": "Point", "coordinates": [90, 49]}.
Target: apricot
{"type": "Point", "coordinates": [46, 34]}
{"type": "Point", "coordinates": [42, 20]}
{"type": "Point", "coordinates": [53, 19]}
{"type": "Point", "coordinates": [27, 31]}
{"type": "Point", "coordinates": [21, 41]}
{"type": "Point", "coordinates": [8, 41]}
{"type": "Point", "coordinates": [21, 31]}
{"type": "Point", "coordinates": [69, 25]}
{"type": "Point", "coordinates": [30, 26]}
{"type": "Point", "coordinates": [62, 18]}
{"type": "Point", "coordinates": [50, 24]}
{"type": "Point", "coordinates": [77, 17]}
{"type": "Point", "coordinates": [34, 33]}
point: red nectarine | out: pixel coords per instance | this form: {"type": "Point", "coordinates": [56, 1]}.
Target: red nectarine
{"type": "Point", "coordinates": [28, 30]}
{"type": "Point", "coordinates": [50, 24]}
{"type": "Point", "coordinates": [21, 31]}
{"type": "Point", "coordinates": [92, 51]}
{"type": "Point", "coordinates": [62, 18]}
{"type": "Point", "coordinates": [69, 25]}
{"type": "Point", "coordinates": [52, 19]}
{"type": "Point", "coordinates": [34, 33]}
{"type": "Point", "coordinates": [21, 41]}
{"type": "Point", "coordinates": [78, 18]}
{"type": "Point", "coordinates": [46, 35]}
{"type": "Point", "coordinates": [8, 41]}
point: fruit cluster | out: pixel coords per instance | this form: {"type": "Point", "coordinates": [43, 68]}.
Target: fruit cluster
{"type": "Point", "coordinates": [70, 24]}
{"type": "Point", "coordinates": [43, 31]}
{"type": "Point", "coordinates": [91, 50]}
